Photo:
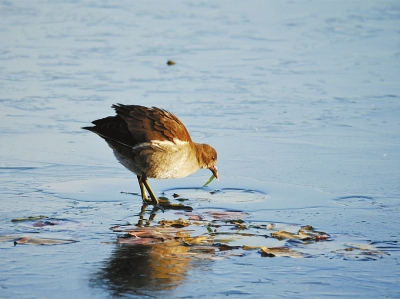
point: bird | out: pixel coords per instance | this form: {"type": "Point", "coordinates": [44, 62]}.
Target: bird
{"type": "Point", "coordinates": [153, 143]}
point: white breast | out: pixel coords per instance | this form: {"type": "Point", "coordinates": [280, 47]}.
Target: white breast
{"type": "Point", "coordinates": [167, 159]}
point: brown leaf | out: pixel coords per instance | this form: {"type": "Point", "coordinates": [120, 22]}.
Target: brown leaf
{"type": "Point", "coordinates": [227, 215]}
{"type": "Point", "coordinates": [195, 217]}
{"type": "Point", "coordinates": [280, 235]}
{"type": "Point", "coordinates": [41, 241]}
{"type": "Point", "coordinates": [280, 251]}
{"type": "Point", "coordinates": [196, 240]}
{"type": "Point", "coordinates": [246, 247]}
{"type": "Point", "coordinates": [308, 230]}
{"type": "Point", "coordinates": [175, 223]}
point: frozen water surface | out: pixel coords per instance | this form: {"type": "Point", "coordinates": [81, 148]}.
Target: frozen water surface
{"type": "Point", "coordinates": [300, 98]}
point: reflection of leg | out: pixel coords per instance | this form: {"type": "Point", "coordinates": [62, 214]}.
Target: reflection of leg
{"type": "Point", "coordinates": [143, 213]}
{"type": "Point", "coordinates": [143, 209]}
{"type": "Point", "coordinates": [142, 188]}
{"type": "Point", "coordinates": [152, 216]}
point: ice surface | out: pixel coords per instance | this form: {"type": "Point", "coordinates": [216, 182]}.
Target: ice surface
{"type": "Point", "coordinates": [300, 98]}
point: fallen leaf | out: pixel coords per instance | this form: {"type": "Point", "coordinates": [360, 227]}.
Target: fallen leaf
{"type": "Point", "coordinates": [246, 247]}
{"type": "Point", "coordinates": [195, 217]}
{"type": "Point", "coordinates": [163, 233]}
{"type": "Point", "coordinates": [41, 241]}
{"type": "Point", "coordinates": [175, 223]}
{"type": "Point", "coordinates": [280, 251]}
{"type": "Point", "coordinates": [239, 225]}
{"type": "Point", "coordinates": [227, 215]}
{"type": "Point", "coordinates": [43, 223]}
{"type": "Point", "coordinates": [270, 226]}
{"type": "Point", "coordinates": [196, 240]}
{"type": "Point", "coordinates": [280, 235]}
{"type": "Point", "coordinates": [309, 231]}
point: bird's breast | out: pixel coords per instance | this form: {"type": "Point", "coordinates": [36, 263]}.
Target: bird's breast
{"type": "Point", "coordinates": [167, 159]}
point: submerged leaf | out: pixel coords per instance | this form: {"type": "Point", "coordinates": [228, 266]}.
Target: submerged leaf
{"type": "Point", "coordinates": [195, 217]}
{"type": "Point", "coordinates": [182, 199]}
{"type": "Point", "coordinates": [30, 218]}
{"type": "Point", "coordinates": [43, 223]}
{"type": "Point", "coordinates": [360, 252]}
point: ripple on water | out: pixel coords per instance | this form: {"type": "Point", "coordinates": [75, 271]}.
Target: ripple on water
{"type": "Point", "coordinates": [238, 192]}
{"type": "Point", "coordinates": [223, 195]}
{"type": "Point", "coordinates": [356, 201]}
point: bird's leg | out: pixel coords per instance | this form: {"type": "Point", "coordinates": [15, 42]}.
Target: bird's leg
{"type": "Point", "coordinates": [152, 216]}
{"type": "Point", "coordinates": [142, 190]}
{"type": "Point", "coordinates": [151, 193]}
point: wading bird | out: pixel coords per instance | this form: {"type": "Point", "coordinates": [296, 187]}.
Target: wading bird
{"type": "Point", "coordinates": [153, 143]}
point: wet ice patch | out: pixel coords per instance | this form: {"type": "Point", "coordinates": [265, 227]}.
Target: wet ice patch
{"type": "Point", "coordinates": [91, 190]}
{"type": "Point", "coordinates": [356, 201]}
{"type": "Point", "coordinates": [218, 196]}
{"type": "Point", "coordinates": [238, 191]}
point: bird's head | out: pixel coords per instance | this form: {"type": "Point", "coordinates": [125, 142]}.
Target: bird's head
{"type": "Point", "coordinates": [207, 157]}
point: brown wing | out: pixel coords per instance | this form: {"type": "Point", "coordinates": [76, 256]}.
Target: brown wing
{"type": "Point", "coordinates": [146, 124]}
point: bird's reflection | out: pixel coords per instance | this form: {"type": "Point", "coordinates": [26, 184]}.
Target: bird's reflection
{"type": "Point", "coordinates": [142, 269]}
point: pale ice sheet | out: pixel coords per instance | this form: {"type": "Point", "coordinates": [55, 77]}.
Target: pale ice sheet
{"type": "Point", "coordinates": [301, 100]}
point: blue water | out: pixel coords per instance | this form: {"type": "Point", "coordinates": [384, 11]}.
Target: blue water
{"type": "Point", "coordinates": [301, 100]}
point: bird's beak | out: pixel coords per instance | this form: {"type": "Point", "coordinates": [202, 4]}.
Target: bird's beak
{"type": "Point", "coordinates": [214, 170]}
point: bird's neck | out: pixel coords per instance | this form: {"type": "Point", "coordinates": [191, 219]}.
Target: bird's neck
{"type": "Point", "coordinates": [199, 149]}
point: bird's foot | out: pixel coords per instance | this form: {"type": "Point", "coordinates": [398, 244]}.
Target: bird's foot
{"type": "Point", "coordinates": [156, 205]}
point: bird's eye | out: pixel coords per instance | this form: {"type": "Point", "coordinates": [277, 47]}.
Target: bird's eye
{"type": "Point", "coordinates": [213, 157]}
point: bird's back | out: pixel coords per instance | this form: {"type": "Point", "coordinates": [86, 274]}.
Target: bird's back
{"type": "Point", "coordinates": [148, 141]}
